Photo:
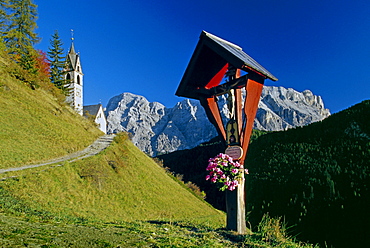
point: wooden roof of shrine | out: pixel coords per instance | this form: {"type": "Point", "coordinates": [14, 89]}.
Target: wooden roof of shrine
{"type": "Point", "coordinates": [210, 60]}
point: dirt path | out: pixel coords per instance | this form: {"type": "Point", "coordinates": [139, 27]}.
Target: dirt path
{"type": "Point", "coordinates": [99, 145]}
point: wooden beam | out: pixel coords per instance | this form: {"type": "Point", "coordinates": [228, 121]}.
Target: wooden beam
{"type": "Point", "coordinates": [253, 93]}
{"type": "Point", "coordinates": [215, 81]}
{"type": "Point", "coordinates": [237, 83]}
{"type": "Point", "coordinates": [213, 113]}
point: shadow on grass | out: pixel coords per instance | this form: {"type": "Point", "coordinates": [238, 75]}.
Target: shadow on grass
{"type": "Point", "coordinates": [223, 232]}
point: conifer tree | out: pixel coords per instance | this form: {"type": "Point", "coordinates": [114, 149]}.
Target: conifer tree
{"type": "Point", "coordinates": [4, 18]}
{"type": "Point", "coordinates": [57, 62]}
{"type": "Point", "coordinates": [20, 34]}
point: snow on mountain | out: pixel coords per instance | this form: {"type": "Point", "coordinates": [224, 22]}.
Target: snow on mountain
{"type": "Point", "coordinates": [156, 129]}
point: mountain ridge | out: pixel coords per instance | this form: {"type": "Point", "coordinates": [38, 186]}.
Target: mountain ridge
{"type": "Point", "coordinates": [156, 129]}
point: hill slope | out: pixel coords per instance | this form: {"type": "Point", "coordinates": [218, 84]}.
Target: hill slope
{"type": "Point", "coordinates": [119, 184]}
{"type": "Point", "coordinates": [317, 177]}
{"type": "Point", "coordinates": [119, 198]}
{"type": "Point", "coordinates": [34, 126]}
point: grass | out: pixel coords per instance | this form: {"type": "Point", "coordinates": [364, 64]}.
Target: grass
{"type": "Point", "coordinates": [119, 198]}
{"type": "Point", "coordinates": [121, 183]}
{"type": "Point", "coordinates": [19, 233]}
{"type": "Point", "coordinates": [29, 120]}
{"type": "Point", "coordinates": [125, 234]}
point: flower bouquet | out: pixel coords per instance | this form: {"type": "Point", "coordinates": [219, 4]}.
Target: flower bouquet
{"type": "Point", "coordinates": [225, 172]}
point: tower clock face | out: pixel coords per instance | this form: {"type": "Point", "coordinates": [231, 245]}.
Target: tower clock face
{"type": "Point", "coordinates": [78, 92]}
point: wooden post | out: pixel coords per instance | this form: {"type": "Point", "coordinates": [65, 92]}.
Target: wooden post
{"type": "Point", "coordinates": [235, 207]}
{"type": "Point", "coordinates": [235, 200]}
{"type": "Point", "coordinates": [253, 90]}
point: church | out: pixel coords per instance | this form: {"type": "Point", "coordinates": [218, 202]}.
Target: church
{"type": "Point", "coordinates": [74, 75]}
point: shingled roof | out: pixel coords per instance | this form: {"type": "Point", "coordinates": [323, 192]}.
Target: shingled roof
{"type": "Point", "coordinates": [211, 57]}
{"type": "Point", "coordinates": [91, 110]}
{"type": "Point", "coordinates": [236, 53]}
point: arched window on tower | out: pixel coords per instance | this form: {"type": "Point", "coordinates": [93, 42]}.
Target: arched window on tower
{"type": "Point", "coordinates": [68, 78]}
{"type": "Point", "coordinates": [78, 80]}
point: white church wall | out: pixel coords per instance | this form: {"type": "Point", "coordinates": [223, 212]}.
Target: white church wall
{"type": "Point", "coordinates": [101, 121]}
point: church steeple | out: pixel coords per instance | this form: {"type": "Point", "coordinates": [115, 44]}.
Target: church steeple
{"type": "Point", "coordinates": [72, 48]}
{"type": "Point", "coordinates": [74, 76]}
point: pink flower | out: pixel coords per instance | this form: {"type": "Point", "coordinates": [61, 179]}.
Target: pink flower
{"type": "Point", "coordinates": [246, 171]}
{"type": "Point", "coordinates": [219, 171]}
{"type": "Point", "coordinates": [231, 188]}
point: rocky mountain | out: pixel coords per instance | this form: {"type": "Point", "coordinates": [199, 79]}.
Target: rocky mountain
{"type": "Point", "coordinates": [156, 129]}
{"type": "Point", "coordinates": [282, 108]}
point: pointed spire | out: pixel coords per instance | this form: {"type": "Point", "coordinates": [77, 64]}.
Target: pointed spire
{"type": "Point", "coordinates": [72, 48]}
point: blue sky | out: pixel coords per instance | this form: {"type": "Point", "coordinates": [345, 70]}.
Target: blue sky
{"type": "Point", "coordinates": [144, 46]}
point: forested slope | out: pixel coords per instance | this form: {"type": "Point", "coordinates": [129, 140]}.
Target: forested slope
{"type": "Point", "coordinates": [317, 177]}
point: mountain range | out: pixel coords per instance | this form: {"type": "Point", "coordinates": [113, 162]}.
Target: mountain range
{"type": "Point", "coordinates": [156, 129]}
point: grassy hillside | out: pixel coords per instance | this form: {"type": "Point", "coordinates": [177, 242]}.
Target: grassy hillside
{"type": "Point", "coordinates": [120, 184]}
{"type": "Point", "coordinates": [34, 125]}
{"type": "Point", "coordinates": [120, 198]}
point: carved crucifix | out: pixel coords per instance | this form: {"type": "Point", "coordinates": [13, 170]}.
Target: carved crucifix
{"type": "Point", "coordinates": [212, 60]}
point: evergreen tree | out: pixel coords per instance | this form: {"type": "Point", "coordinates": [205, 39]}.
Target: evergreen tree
{"type": "Point", "coordinates": [4, 18]}
{"type": "Point", "coordinates": [57, 62]}
{"type": "Point", "coordinates": [20, 34]}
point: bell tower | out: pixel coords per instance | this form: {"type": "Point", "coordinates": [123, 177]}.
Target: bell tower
{"type": "Point", "coordinates": [74, 78]}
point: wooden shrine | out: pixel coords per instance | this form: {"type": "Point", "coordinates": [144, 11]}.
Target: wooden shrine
{"type": "Point", "coordinates": [212, 61]}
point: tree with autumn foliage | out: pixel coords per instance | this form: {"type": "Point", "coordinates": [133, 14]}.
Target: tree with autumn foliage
{"type": "Point", "coordinates": [42, 65]}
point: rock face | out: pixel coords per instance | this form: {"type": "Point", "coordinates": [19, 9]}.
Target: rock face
{"type": "Point", "coordinates": [282, 108]}
{"type": "Point", "coordinates": [156, 129]}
